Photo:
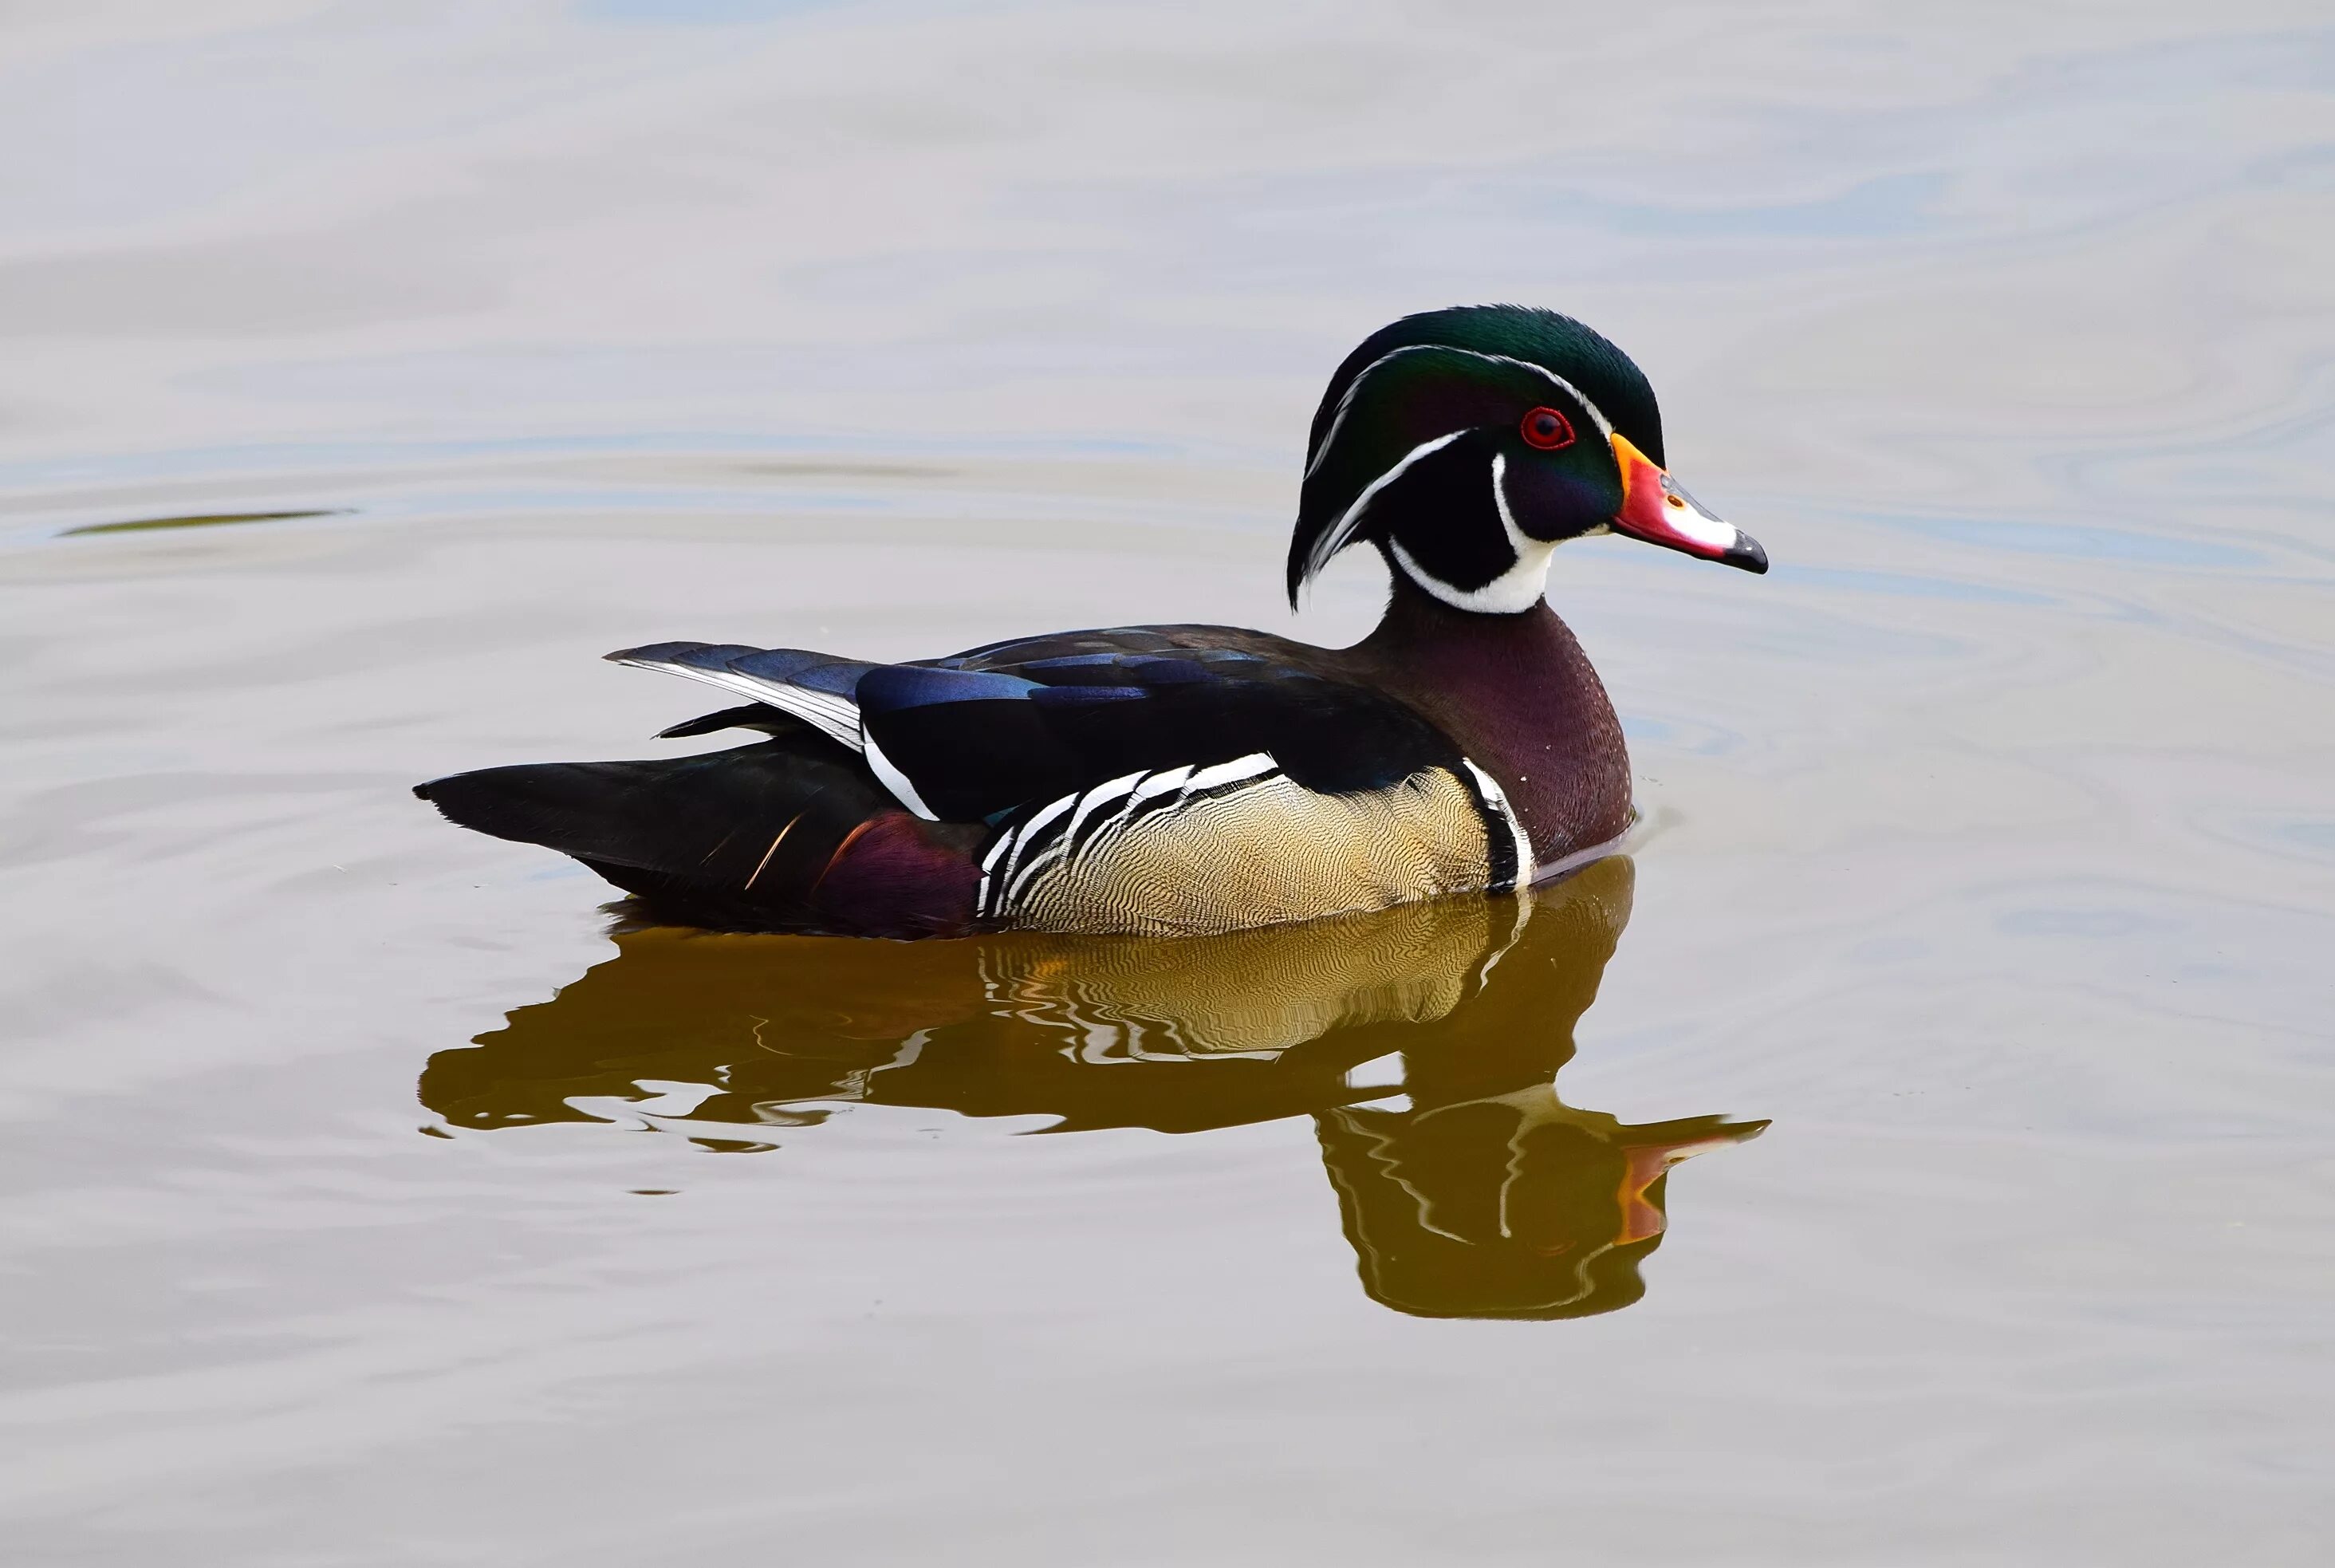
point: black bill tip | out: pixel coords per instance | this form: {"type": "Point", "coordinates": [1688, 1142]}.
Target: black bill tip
{"type": "Point", "coordinates": [1746, 553]}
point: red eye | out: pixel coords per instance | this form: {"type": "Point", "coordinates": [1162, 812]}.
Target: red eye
{"type": "Point", "coordinates": [1547, 430]}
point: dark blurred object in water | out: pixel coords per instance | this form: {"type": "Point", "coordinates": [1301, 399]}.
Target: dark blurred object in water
{"type": "Point", "coordinates": [1424, 1040]}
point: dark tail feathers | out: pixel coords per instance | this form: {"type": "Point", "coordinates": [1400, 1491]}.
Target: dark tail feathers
{"type": "Point", "coordinates": [736, 837]}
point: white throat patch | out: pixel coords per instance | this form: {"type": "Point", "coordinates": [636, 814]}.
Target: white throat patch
{"type": "Point", "coordinates": [1516, 590]}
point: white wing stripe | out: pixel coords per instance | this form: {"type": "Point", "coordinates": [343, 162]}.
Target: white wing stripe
{"type": "Point", "coordinates": [831, 715]}
{"type": "Point", "coordinates": [897, 782]}
{"type": "Point", "coordinates": [836, 717]}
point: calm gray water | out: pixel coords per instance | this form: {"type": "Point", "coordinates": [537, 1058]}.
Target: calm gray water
{"type": "Point", "coordinates": [368, 1201]}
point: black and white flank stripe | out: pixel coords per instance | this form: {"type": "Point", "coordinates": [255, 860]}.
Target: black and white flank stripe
{"type": "Point", "coordinates": [1074, 830]}
{"type": "Point", "coordinates": [1129, 836]}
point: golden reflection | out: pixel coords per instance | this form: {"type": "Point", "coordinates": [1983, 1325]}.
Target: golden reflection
{"type": "Point", "coordinates": [1424, 1041]}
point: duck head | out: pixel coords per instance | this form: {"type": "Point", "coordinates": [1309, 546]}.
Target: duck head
{"type": "Point", "coordinates": [1466, 444]}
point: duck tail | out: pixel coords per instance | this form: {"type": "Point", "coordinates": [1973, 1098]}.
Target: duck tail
{"type": "Point", "coordinates": [787, 834]}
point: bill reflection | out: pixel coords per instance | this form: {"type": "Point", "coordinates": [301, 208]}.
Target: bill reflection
{"type": "Point", "coordinates": [1424, 1041]}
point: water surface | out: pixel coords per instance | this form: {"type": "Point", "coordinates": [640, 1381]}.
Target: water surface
{"type": "Point", "coordinates": [375, 1197]}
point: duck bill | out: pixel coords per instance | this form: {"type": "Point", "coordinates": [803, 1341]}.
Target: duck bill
{"type": "Point", "coordinates": [1656, 509]}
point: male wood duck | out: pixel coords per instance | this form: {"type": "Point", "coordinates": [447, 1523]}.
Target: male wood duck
{"type": "Point", "coordinates": [1193, 778]}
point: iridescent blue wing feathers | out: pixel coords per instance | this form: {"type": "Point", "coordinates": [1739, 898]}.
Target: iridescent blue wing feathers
{"type": "Point", "coordinates": [980, 734]}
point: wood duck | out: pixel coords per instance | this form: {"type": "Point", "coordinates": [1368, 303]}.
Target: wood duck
{"type": "Point", "coordinates": [1186, 779]}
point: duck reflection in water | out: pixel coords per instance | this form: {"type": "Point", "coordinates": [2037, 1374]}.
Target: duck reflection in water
{"type": "Point", "coordinates": [1423, 1041]}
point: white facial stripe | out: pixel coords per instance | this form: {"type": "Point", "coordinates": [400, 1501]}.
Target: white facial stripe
{"type": "Point", "coordinates": [1339, 538]}
{"type": "Point", "coordinates": [1346, 402]}
{"type": "Point", "coordinates": [1330, 436]}
{"type": "Point", "coordinates": [1596, 415]}
{"type": "Point", "coordinates": [1516, 589]}
{"type": "Point", "coordinates": [1518, 541]}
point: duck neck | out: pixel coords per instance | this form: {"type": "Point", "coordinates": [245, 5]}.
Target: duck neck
{"type": "Point", "coordinates": [1519, 697]}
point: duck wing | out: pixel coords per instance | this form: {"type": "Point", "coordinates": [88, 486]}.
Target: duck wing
{"type": "Point", "coordinates": [1029, 723]}
{"type": "Point", "coordinates": [976, 735]}
{"type": "Point", "coordinates": [815, 687]}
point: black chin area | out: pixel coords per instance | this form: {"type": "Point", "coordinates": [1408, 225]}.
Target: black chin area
{"type": "Point", "coordinates": [1553, 501]}
{"type": "Point", "coordinates": [1442, 511]}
